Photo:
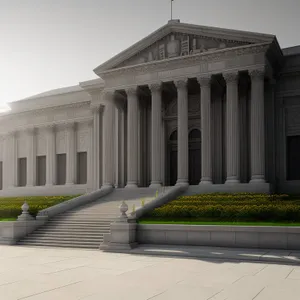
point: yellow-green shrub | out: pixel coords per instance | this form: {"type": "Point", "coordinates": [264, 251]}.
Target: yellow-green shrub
{"type": "Point", "coordinates": [231, 207]}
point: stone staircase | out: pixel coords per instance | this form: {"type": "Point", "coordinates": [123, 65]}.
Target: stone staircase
{"type": "Point", "coordinates": [84, 227]}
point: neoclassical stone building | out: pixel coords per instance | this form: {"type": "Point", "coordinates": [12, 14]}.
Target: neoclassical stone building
{"type": "Point", "coordinates": [214, 108]}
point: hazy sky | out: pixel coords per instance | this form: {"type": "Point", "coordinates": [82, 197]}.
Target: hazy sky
{"type": "Point", "coordinates": [48, 44]}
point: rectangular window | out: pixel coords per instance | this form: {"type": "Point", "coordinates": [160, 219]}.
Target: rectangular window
{"type": "Point", "coordinates": [81, 167]}
{"type": "Point", "coordinates": [61, 169]}
{"type": "Point", "coordinates": [293, 157]}
{"type": "Point", "coordinates": [41, 170]}
{"type": "Point", "coordinates": [22, 171]}
{"type": "Point", "coordinates": [1, 175]}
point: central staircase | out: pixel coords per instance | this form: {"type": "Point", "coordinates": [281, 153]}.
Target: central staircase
{"type": "Point", "coordinates": [85, 226]}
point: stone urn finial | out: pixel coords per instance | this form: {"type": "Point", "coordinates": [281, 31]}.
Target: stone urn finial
{"type": "Point", "coordinates": [123, 209]}
{"type": "Point", "coordinates": [25, 216]}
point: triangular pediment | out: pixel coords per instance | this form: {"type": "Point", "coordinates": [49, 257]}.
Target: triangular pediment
{"type": "Point", "coordinates": [178, 39]}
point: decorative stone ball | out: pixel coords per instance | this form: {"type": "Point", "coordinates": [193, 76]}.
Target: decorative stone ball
{"type": "Point", "coordinates": [123, 208]}
{"type": "Point", "coordinates": [25, 207]}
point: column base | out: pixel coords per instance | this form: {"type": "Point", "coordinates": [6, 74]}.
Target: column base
{"type": "Point", "coordinates": [257, 180]}
{"type": "Point", "coordinates": [232, 181]}
{"type": "Point", "coordinates": [107, 185]}
{"type": "Point", "coordinates": [131, 185]}
{"type": "Point", "coordinates": [205, 181]}
{"type": "Point", "coordinates": [155, 185]}
{"type": "Point", "coordinates": [70, 183]}
{"type": "Point", "coordinates": [182, 182]}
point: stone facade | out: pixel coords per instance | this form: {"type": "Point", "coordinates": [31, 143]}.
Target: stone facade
{"type": "Point", "coordinates": [187, 105]}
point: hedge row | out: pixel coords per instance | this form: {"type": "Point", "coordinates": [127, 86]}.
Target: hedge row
{"type": "Point", "coordinates": [230, 207]}
{"type": "Point", "coordinates": [11, 207]}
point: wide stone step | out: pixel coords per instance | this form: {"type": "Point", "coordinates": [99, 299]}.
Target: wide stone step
{"type": "Point", "coordinates": [74, 230]}
{"type": "Point", "coordinates": [59, 245]}
{"type": "Point", "coordinates": [76, 222]}
{"type": "Point", "coordinates": [76, 240]}
{"type": "Point", "coordinates": [68, 234]}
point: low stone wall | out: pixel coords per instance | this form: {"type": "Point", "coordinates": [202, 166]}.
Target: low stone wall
{"type": "Point", "coordinates": [12, 232]}
{"type": "Point", "coordinates": [220, 236]}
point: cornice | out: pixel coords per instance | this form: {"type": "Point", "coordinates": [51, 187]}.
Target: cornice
{"type": "Point", "coordinates": [209, 56]}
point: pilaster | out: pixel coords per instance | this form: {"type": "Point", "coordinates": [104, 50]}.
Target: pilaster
{"type": "Point", "coordinates": [90, 155]}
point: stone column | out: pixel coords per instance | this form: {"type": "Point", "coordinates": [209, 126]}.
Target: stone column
{"type": "Point", "coordinates": [108, 139]}
{"type": "Point", "coordinates": [257, 125]}
{"type": "Point", "coordinates": [31, 157]}
{"type": "Point", "coordinates": [71, 154]}
{"type": "Point", "coordinates": [183, 139]}
{"type": "Point", "coordinates": [156, 120]}
{"type": "Point", "coordinates": [10, 161]}
{"type": "Point", "coordinates": [206, 164]}
{"type": "Point", "coordinates": [90, 155]}
{"type": "Point", "coordinates": [50, 156]}
{"type": "Point", "coordinates": [96, 147]}
{"type": "Point", "coordinates": [132, 138]}
{"type": "Point", "coordinates": [232, 128]}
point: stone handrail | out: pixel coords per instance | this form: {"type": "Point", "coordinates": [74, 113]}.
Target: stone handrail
{"type": "Point", "coordinates": [159, 201]}
{"type": "Point", "coordinates": [72, 203]}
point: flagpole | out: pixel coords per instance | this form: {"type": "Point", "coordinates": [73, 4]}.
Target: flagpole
{"type": "Point", "coordinates": [171, 9]}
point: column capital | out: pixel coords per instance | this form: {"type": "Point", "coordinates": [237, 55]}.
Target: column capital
{"type": "Point", "coordinates": [131, 91]}
{"type": "Point", "coordinates": [30, 131]}
{"type": "Point", "coordinates": [257, 74]}
{"type": "Point", "coordinates": [181, 83]}
{"type": "Point", "coordinates": [204, 80]}
{"type": "Point", "coordinates": [231, 77]}
{"type": "Point", "coordinates": [50, 127]}
{"type": "Point", "coordinates": [70, 126]}
{"type": "Point", "coordinates": [155, 87]}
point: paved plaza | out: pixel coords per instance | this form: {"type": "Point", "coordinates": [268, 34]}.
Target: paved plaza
{"type": "Point", "coordinates": [71, 274]}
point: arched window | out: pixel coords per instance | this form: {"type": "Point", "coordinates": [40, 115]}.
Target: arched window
{"type": "Point", "coordinates": [194, 134]}
{"type": "Point", "coordinates": [173, 136]}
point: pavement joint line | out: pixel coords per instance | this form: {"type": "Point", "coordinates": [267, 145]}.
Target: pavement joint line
{"type": "Point", "coordinates": [152, 297]}
{"type": "Point", "coordinates": [47, 291]}
{"type": "Point", "coordinates": [64, 270]}
{"type": "Point", "coordinates": [289, 273]}
{"type": "Point", "coordinates": [261, 270]}
{"type": "Point", "coordinates": [258, 293]}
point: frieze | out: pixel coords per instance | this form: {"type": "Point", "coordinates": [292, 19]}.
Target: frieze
{"type": "Point", "coordinates": [178, 45]}
{"type": "Point", "coordinates": [183, 61]}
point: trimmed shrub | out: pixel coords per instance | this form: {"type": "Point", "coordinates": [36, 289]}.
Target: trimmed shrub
{"type": "Point", "coordinates": [230, 207]}
{"type": "Point", "coordinates": [10, 207]}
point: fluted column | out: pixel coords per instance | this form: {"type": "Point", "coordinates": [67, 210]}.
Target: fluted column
{"type": "Point", "coordinates": [108, 139]}
{"type": "Point", "coordinates": [10, 161]}
{"type": "Point", "coordinates": [206, 164]}
{"type": "Point", "coordinates": [156, 120]}
{"type": "Point", "coordinates": [96, 147]}
{"type": "Point", "coordinates": [50, 156]}
{"type": "Point", "coordinates": [31, 157]}
{"type": "Point", "coordinates": [71, 154]}
{"type": "Point", "coordinates": [183, 140]}
{"type": "Point", "coordinates": [90, 155]}
{"type": "Point", "coordinates": [232, 128]}
{"type": "Point", "coordinates": [132, 138]}
{"type": "Point", "coordinates": [257, 125]}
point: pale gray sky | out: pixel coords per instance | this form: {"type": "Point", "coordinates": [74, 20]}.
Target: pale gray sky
{"type": "Point", "coordinates": [48, 44]}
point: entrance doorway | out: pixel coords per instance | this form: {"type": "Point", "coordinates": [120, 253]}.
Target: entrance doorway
{"type": "Point", "coordinates": [194, 157]}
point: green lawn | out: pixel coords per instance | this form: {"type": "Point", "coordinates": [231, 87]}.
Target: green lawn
{"type": "Point", "coordinates": [10, 207]}
{"type": "Point", "coordinates": [7, 219]}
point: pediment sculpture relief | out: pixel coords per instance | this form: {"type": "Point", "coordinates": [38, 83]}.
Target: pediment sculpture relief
{"type": "Point", "coordinates": [178, 44]}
